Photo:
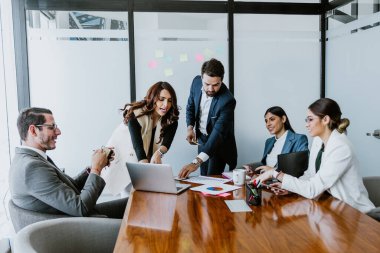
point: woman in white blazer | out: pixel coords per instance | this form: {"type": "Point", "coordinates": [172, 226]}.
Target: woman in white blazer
{"type": "Point", "coordinates": [333, 166]}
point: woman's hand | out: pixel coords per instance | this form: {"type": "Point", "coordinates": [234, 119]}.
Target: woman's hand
{"type": "Point", "coordinates": [144, 161]}
{"type": "Point", "coordinates": [156, 158]}
{"type": "Point", "coordinates": [263, 177]}
{"type": "Point", "coordinates": [248, 170]}
{"type": "Point", "coordinates": [263, 168]}
{"type": "Point", "coordinates": [276, 189]}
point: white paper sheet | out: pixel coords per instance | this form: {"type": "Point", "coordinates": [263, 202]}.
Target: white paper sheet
{"type": "Point", "coordinates": [238, 205]}
{"type": "Point", "coordinates": [206, 180]}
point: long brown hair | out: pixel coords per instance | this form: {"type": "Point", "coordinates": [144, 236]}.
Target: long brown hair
{"type": "Point", "coordinates": [149, 104]}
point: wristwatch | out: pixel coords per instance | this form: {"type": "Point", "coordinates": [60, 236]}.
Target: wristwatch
{"type": "Point", "coordinates": [196, 161]}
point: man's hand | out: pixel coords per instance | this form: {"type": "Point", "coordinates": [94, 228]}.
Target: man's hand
{"type": "Point", "coordinates": [186, 170]}
{"type": "Point", "coordinates": [99, 161]}
{"type": "Point", "coordinates": [191, 138]}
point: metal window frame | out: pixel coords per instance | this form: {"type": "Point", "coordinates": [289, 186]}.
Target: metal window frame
{"type": "Point", "coordinates": [230, 7]}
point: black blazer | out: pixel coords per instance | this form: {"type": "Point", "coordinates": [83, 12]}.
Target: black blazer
{"type": "Point", "coordinates": [220, 122]}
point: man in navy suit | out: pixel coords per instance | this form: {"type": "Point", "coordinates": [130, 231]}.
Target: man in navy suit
{"type": "Point", "coordinates": [210, 122]}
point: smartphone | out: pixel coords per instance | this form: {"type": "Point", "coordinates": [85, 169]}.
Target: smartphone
{"type": "Point", "coordinates": [268, 185]}
{"type": "Point", "coordinates": [194, 143]}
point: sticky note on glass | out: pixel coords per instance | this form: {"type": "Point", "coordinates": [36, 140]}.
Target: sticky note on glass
{"type": "Point", "coordinates": [152, 64]}
{"type": "Point", "coordinates": [208, 52]}
{"type": "Point", "coordinates": [238, 205]}
{"type": "Point", "coordinates": [159, 53]}
{"type": "Point", "coordinates": [183, 58]}
{"type": "Point", "coordinates": [168, 59]}
{"type": "Point", "coordinates": [168, 72]}
{"type": "Point", "coordinates": [199, 57]}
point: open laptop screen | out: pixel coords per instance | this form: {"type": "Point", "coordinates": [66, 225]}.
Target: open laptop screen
{"type": "Point", "coordinates": [294, 163]}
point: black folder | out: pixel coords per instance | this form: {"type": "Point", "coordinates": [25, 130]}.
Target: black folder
{"type": "Point", "coordinates": [294, 163]}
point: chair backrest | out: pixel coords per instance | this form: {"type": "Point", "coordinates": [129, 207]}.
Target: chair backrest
{"type": "Point", "coordinates": [372, 184]}
{"type": "Point", "coordinates": [78, 234]}
{"type": "Point", "coordinates": [21, 217]}
{"type": "Point", "coordinates": [5, 246]}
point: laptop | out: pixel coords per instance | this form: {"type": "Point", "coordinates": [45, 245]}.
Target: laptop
{"type": "Point", "coordinates": [154, 178]}
{"type": "Point", "coordinates": [294, 163]}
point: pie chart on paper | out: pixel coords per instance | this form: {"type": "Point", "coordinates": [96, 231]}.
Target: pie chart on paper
{"type": "Point", "coordinates": [214, 188]}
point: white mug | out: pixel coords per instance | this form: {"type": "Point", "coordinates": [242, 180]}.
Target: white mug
{"type": "Point", "coordinates": [238, 176]}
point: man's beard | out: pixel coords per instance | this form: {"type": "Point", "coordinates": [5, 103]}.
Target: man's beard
{"type": "Point", "coordinates": [210, 94]}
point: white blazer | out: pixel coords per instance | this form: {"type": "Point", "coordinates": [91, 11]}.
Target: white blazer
{"type": "Point", "coordinates": [338, 174]}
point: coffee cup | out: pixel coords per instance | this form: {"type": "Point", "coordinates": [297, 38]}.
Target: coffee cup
{"type": "Point", "coordinates": [238, 176]}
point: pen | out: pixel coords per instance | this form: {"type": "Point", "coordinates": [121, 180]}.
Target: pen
{"type": "Point", "coordinates": [258, 184]}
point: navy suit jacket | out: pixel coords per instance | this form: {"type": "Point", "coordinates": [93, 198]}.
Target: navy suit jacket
{"type": "Point", "coordinates": [294, 142]}
{"type": "Point", "coordinates": [220, 122]}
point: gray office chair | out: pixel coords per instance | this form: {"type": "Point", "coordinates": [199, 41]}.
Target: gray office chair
{"type": "Point", "coordinates": [21, 217]}
{"type": "Point", "coordinates": [372, 184]}
{"type": "Point", "coordinates": [78, 234]}
{"type": "Point", "coordinates": [5, 246]}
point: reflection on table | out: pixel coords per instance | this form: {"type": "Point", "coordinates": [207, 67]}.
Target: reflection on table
{"type": "Point", "coordinates": [192, 222]}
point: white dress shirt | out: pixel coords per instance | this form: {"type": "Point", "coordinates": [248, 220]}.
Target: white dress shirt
{"type": "Point", "coordinates": [40, 152]}
{"type": "Point", "coordinates": [204, 108]}
{"type": "Point", "coordinates": [271, 159]}
{"type": "Point", "coordinates": [338, 174]}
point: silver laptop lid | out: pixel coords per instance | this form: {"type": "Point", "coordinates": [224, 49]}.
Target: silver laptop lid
{"type": "Point", "coordinates": [152, 177]}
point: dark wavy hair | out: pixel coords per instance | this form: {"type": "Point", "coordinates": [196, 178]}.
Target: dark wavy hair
{"type": "Point", "coordinates": [149, 104]}
{"type": "Point", "coordinates": [278, 111]}
{"type": "Point", "coordinates": [327, 106]}
{"type": "Point", "coordinates": [213, 68]}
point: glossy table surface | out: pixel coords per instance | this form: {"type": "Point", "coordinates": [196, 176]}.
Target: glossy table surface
{"type": "Point", "coordinates": [192, 222]}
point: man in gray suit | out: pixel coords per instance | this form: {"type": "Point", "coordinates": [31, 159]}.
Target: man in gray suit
{"type": "Point", "coordinates": [37, 184]}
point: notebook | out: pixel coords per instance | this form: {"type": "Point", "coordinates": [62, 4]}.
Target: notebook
{"type": "Point", "coordinates": [154, 178]}
{"type": "Point", "coordinates": [294, 163]}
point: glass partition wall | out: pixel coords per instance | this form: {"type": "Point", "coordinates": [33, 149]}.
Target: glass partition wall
{"type": "Point", "coordinates": [277, 63]}
{"type": "Point", "coordinates": [172, 47]}
{"type": "Point", "coordinates": [84, 60]}
{"type": "Point", "coordinates": [78, 67]}
{"type": "Point", "coordinates": [352, 76]}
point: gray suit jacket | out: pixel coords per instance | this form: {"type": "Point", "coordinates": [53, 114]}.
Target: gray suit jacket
{"type": "Point", "coordinates": [38, 185]}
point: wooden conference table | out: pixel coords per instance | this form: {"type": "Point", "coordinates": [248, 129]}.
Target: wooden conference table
{"type": "Point", "coordinates": [192, 222]}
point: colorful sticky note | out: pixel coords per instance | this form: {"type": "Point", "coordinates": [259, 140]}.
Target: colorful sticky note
{"type": "Point", "coordinates": [168, 72]}
{"type": "Point", "coordinates": [159, 53]}
{"type": "Point", "coordinates": [183, 58]}
{"type": "Point", "coordinates": [219, 49]}
{"type": "Point", "coordinates": [199, 57]}
{"type": "Point", "coordinates": [168, 59]}
{"type": "Point", "coordinates": [152, 64]}
{"type": "Point", "coordinates": [208, 53]}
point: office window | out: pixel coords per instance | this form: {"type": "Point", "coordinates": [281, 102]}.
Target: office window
{"type": "Point", "coordinates": [172, 47]}
{"type": "Point", "coordinates": [277, 63]}
{"type": "Point", "coordinates": [359, 10]}
{"type": "Point", "coordinates": [352, 55]}
{"type": "Point", "coordinates": [79, 68]}
{"type": "Point", "coordinates": [283, 1]}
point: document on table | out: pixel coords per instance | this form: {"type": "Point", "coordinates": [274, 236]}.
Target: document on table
{"type": "Point", "coordinates": [215, 189]}
{"type": "Point", "coordinates": [238, 205]}
{"type": "Point", "coordinates": [206, 180]}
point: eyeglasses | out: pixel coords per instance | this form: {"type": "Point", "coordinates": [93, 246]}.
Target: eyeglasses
{"type": "Point", "coordinates": [49, 126]}
{"type": "Point", "coordinates": [309, 119]}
